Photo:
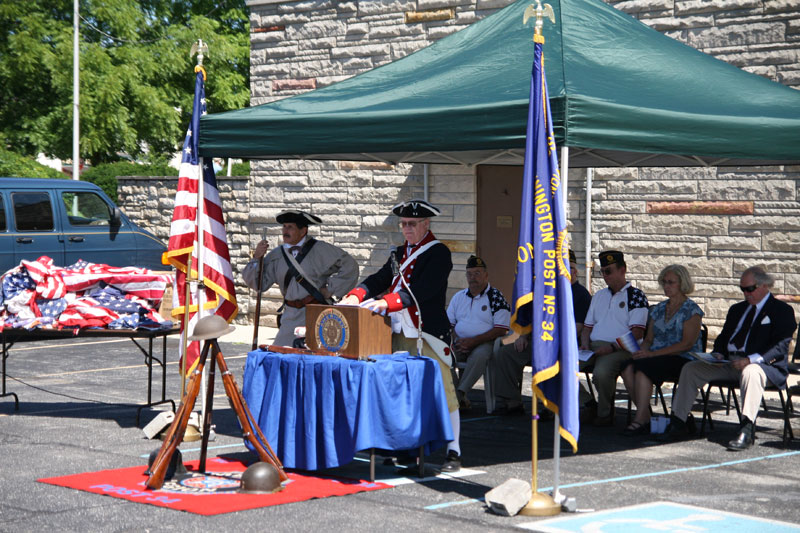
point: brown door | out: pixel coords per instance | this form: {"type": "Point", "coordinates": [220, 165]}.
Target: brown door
{"type": "Point", "coordinates": [499, 191]}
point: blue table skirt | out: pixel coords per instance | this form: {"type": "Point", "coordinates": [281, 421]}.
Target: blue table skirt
{"type": "Point", "coordinates": [317, 412]}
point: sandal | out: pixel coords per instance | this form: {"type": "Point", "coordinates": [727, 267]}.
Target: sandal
{"type": "Point", "coordinates": [635, 428]}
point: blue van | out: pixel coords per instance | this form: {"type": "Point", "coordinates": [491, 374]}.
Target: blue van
{"type": "Point", "coordinates": [69, 220]}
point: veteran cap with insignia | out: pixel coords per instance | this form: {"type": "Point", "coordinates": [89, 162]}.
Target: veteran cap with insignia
{"type": "Point", "coordinates": [474, 262]}
{"type": "Point", "coordinates": [611, 257]}
{"type": "Point", "coordinates": [300, 218]}
{"type": "Point", "coordinates": [572, 258]}
{"type": "Point", "coordinates": [415, 208]}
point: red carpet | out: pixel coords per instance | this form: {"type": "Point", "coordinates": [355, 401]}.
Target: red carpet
{"type": "Point", "coordinates": [208, 494]}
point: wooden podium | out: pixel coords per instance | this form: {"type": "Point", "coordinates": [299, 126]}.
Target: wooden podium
{"type": "Point", "coordinates": [348, 330]}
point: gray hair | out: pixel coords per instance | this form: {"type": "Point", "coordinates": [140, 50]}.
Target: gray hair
{"type": "Point", "coordinates": [685, 283]}
{"type": "Point", "coordinates": [760, 276]}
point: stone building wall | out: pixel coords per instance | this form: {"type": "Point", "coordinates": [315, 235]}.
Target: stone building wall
{"type": "Point", "coordinates": [717, 221]}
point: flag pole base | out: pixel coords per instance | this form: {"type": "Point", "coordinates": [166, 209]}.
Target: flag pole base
{"type": "Point", "coordinates": [540, 504]}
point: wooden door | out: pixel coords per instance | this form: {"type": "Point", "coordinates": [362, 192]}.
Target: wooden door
{"type": "Point", "coordinates": [499, 191]}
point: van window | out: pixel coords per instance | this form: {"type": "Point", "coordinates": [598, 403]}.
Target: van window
{"type": "Point", "coordinates": [32, 211]}
{"type": "Point", "coordinates": [86, 209]}
{"type": "Point", "coordinates": [3, 224]}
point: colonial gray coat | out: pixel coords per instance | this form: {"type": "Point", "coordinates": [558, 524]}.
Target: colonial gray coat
{"type": "Point", "coordinates": [329, 268]}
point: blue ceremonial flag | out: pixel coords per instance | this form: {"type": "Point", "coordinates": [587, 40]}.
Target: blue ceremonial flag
{"type": "Point", "coordinates": [542, 289]}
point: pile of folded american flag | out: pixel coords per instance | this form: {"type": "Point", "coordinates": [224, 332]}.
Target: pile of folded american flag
{"type": "Point", "coordinates": [37, 294]}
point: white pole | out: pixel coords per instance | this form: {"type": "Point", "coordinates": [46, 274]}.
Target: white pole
{"type": "Point", "coordinates": [556, 422]}
{"type": "Point", "coordinates": [425, 170]}
{"type": "Point", "coordinates": [588, 229]}
{"type": "Point", "coordinates": [76, 153]}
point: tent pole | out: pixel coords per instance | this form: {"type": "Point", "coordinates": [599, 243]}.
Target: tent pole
{"type": "Point", "coordinates": [425, 170]}
{"type": "Point", "coordinates": [588, 228]}
{"type": "Point", "coordinates": [556, 421]}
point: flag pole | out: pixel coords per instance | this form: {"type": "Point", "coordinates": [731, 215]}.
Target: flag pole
{"type": "Point", "coordinates": [200, 48]}
{"type": "Point", "coordinates": [540, 504]}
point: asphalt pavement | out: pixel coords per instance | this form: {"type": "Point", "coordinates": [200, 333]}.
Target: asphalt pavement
{"type": "Point", "coordinates": [78, 409]}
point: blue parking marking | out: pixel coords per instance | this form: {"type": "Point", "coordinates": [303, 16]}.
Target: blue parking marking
{"type": "Point", "coordinates": [660, 516]}
{"type": "Point", "coordinates": [635, 476]}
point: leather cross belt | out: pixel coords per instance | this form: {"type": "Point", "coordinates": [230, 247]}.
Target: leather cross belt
{"type": "Point", "coordinates": [299, 304]}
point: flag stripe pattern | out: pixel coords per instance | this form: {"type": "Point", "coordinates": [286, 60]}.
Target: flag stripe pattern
{"type": "Point", "coordinates": [220, 293]}
{"type": "Point", "coordinates": [38, 294]}
{"type": "Point", "coordinates": [542, 288]}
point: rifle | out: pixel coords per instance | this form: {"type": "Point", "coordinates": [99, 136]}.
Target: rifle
{"type": "Point", "coordinates": [174, 436]}
{"type": "Point", "coordinates": [300, 351]}
{"type": "Point", "coordinates": [245, 416]}
{"type": "Point", "coordinates": [258, 298]}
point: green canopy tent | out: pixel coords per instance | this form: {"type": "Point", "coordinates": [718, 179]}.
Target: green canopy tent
{"type": "Point", "coordinates": [621, 93]}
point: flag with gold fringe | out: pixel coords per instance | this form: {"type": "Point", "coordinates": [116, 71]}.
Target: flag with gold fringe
{"type": "Point", "coordinates": [220, 293]}
{"type": "Point", "coordinates": [542, 289]}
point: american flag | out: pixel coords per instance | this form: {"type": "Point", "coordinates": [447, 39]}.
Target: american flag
{"type": "Point", "coordinates": [220, 293]}
{"type": "Point", "coordinates": [38, 294]}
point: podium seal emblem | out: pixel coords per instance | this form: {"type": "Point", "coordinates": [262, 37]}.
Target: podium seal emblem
{"type": "Point", "coordinates": [333, 331]}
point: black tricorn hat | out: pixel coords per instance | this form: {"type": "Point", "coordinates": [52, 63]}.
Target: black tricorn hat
{"type": "Point", "coordinates": [300, 218]}
{"type": "Point", "coordinates": [415, 208]}
{"type": "Point", "coordinates": [611, 257]}
{"type": "Point", "coordinates": [474, 262]}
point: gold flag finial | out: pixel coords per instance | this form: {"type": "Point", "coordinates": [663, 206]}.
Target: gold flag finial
{"type": "Point", "coordinates": [201, 49]}
{"type": "Point", "coordinates": [540, 11]}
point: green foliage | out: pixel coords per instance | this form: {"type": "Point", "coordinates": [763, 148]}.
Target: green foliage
{"type": "Point", "coordinates": [241, 169]}
{"type": "Point", "coordinates": [105, 175]}
{"type": "Point", "coordinates": [136, 81]}
{"type": "Point", "coordinates": [16, 166]}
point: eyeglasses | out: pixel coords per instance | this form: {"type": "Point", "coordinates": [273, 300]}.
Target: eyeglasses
{"type": "Point", "coordinates": [749, 289]}
{"type": "Point", "coordinates": [409, 223]}
{"type": "Point", "coordinates": [607, 270]}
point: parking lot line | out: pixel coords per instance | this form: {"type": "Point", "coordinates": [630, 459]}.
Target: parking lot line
{"type": "Point", "coordinates": [627, 478]}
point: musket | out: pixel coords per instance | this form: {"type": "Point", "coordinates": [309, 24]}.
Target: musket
{"type": "Point", "coordinates": [246, 420]}
{"type": "Point", "coordinates": [174, 436]}
{"type": "Point", "coordinates": [300, 351]}
{"type": "Point", "coordinates": [258, 298]}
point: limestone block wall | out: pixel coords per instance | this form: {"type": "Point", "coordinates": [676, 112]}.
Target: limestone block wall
{"type": "Point", "coordinates": [717, 221]}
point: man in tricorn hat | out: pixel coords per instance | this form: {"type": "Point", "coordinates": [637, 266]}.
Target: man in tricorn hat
{"type": "Point", "coordinates": [415, 282]}
{"type": "Point", "coordinates": [478, 315]}
{"type": "Point", "coordinates": [614, 311]}
{"type": "Point", "coordinates": [305, 269]}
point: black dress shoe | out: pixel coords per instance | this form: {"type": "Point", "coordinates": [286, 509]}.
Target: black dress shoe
{"type": "Point", "coordinates": [676, 430]}
{"type": "Point", "coordinates": [745, 437]}
{"type": "Point", "coordinates": [452, 464]}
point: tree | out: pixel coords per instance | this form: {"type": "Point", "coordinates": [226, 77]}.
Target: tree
{"type": "Point", "coordinates": [136, 78]}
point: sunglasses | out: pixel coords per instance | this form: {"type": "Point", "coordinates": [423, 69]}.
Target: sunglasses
{"type": "Point", "coordinates": [607, 270]}
{"type": "Point", "coordinates": [749, 289]}
{"type": "Point", "coordinates": [408, 224]}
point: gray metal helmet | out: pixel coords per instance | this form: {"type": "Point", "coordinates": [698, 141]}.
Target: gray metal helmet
{"type": "Point", "coordinates": [260, 478]}
{"type": "Point", "coordinates": [175, 464]}
{"type": "Point", "coordinates": [210, 327]}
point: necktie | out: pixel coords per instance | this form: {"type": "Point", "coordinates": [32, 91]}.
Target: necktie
{"type": "Point", "coordinates": [294, 250]}
{"type": "Point", "coordinates": [741, 335]}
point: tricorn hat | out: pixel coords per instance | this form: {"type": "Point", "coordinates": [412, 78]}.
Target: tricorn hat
{"type": "Point", "coordinates": [474, 262]}
{"type": "Point", "coordinates": [611, 257]}
{"type": "Point", "coordinates": [300, 218]}
{"type": "Point", "coordinates": [415, 208]}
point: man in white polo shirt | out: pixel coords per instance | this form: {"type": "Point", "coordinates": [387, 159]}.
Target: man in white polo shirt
{"type": "Point", "coordinates": [614, 311]}
{"type": "Point", "coordinates": [478, 315]}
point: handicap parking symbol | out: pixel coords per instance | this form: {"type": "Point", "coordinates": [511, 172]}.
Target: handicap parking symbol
{"type": "Point", "coordinates": [660, 517]}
